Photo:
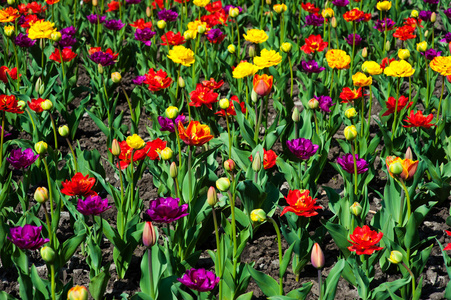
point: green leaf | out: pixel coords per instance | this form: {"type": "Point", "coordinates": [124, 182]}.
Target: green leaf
{"type": "Point", "coordinates": [286, 260]}
{"type": "Point", "coordinates": [302, 292]}
{"type": "Point", "coordinates": [382, 292]}
{"type": "Point", "coordinates": [99, 283]}
{"type": "Point", "coordinates": [71, 245]}
{"type": "Point", "coordinates": [39, 284]}
{"type": "Point", "coordinates": [332, 279]}
{"type": "Point", "coordinates": [267, 284]}
{"type": "Point", "coordinates": [247, 296]}
{"type": "Point", "coordinates": [340, 236]}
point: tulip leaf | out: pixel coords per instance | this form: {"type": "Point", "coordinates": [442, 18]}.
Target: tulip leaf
{"type": "Point", "coordinates": [71, 245]}
{"type": "Point", "coordinates": [419, 288]}
{"type": "Point", "coordinates": [40, 285]}
{"type": "Point", "coordinates": [266, 283]}
{"type": "Point", "coordinates": [141, 296]}
{"type": "Point", "coordinates": [6, 296]}
{"type": "Point", "coordinates": [247, 296]}
{"type": "Point", "coordinates": [99, 283]}
{"type": "Point", "coordinates": [302, 292]}
{"type": "Point", "coordinates": [340, 236]}
{"type": "Point", "coordinates": [286, 260]}
{"type": "Point", "coordinates": [330, 285]}
{"type": "Point", "coordinates": [382, 292]}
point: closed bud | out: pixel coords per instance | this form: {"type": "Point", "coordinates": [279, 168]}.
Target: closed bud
{"type": "Point", "coordinates": [188, 35]}
{"type": "Point", "coordinates": [403, 54]}
{"type": "Point", "coordinates": [212, 197]}
{"type": "Point", "coordinates": [387, 46]}
{"type": "Point", "coordinates": [231, 48]}
{"type": "Point", "coordinates": [296, 115]}
{"type": "Point", "coordinates": [173, 170]}
{"type": "Point", "coordinates": [224, 103]}
{"type": "Point", "coordinates": [333, 22]}
{"type": "Point", "coordinates": [47, 254]}
{"type": "Point", "coordinates": [78, 292]}
{"type": "Point", "coordinates": [433, 17]}
{"type": "Point", "coordinates": [313, 103]}
{"type": "Point", "coordinates": [41, 89]}
{"type": "Point", "coordinates": [100, 68]}
{"type": "Point", "coordinates": [9, 30]}
{"type": "Point", "coordinates": [223, 184]}
{"type": "Point", "coordinates": [56, 36]}
{"type": "Point", "coordinates": [234, 12]}
{"type": "Point", "coordinates": [279, 8]}
{"type": "Point", "coordinates": [201, 29]}
{"type": "Point", "coordinates": [41, 147]}
{"type": "Point", "coordinates": [161, 24]}
{"type": "Point", "coordinates": [251, 51]}
{"type": "Point", "coordinates": [41, 195]}
{"type": "Point", "coordinates": [356, 209]}
{"type": "Point", "coordinates": [409, 154]}
{"type": "Point", "coordinates": [21, 104]}
{"type": "Point", "coordinates": [350, 132]}
{"type": "Point", "coordinates": [422, 47]}
{"type": "Point", "coordinates": [351, 113]}
{"type": "Point", "coordinates": [116, 77]}
{"type": "Point", "coordinates": [149, 235]}
{"type": "Point", "coordinates": [365, 52]}
{"type": "Point", "coordinates": [37, 86]}
{"type": "Point", "coordinates": [414, 13]}
{"type": "Point", "coordinates": [148, 11]}
{"type": "Point", "coordinates": [395, 168]}
{"type": "Point", "coordinates": [95, 3]}
{"type": "Point", "coordinates": [258, 215]}
{"type": "Point", "coordinates": [254, 96]}
{"type": "Point", "coordinates": [229, 165]}
{"type": "Point", "coordinates": [115, 148]}
{"type": "Point", "coordinates": [172, 112]}
{"type": "Point", "coordinates": [47, 104]}
{"type": "Point", "coordinates": [166, 153]}
{"type": "Point", "coordinates": [286, 47]}
{"type": "Point", "coordinates": [268, 2]}
{"type": "Point", "coordinates": [181, 82]}
{"type": "Point", "coordinates": [63, 130]}
{"type": "Point", "coordinates": [257, 162]}
{"type": "Point", "coordinates": [395, 257]}
{"type": "Point", "coordinates": [10, 2]}
{"type": "Point", "coordinates": [317, 257]}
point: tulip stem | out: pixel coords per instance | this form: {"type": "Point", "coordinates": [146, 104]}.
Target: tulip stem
{"type": "Point", "coordinates": [316, 122]}
{"type": "Point", "coordinates": [149, 261]}
{"type": "Point", "coordinates": [132, 114]}
{"type": "Point", "coordinates": [239, 40]}
{"type": "Point", "coordinates": [261, 15]}
{"type": "Point", "coordinates": [411, 275]}
{"type": "Point", "coordinates": [178, 142]}
{"type": "Point", "coordinates": [17, 66]}
{"type": "Point", "coordinates": [54, 131]}
{"type": "Point", "coordinates": [190, 179]}
{"type": "Point", "coordinates": [396, 113]}
{"type": "Point", "coordinates": [407, 197]}
{"type": "Point", "coordinates": [52, 278]}
{"type": "Point", "coordinates": [362, 116]}
{"type": "Point", "coordinates": [178, 76]}
{"type": "Point", "coordinates": [427, 88]}
{"type": "Point", "coordinates": [355, 169]}
{"type": "Point", "coordinates": [279, 244]}
{"type": "Point", "coordinates": [353, 49]}
{"type": "Point", "coordinates": [228, 133]}
{"type": "Point", "coordinates": [47, 219]}
{"type": "Point", "coordinates": [1, 138]}
{"type": "Point", "coordinates": [218, 255]}
{"type": "Point", "coordinates": [369, 111]}
{"type": "Point", "coordinates": [235, 246]}
{"type": "Point", "coordinates": [132, 191]}
{"type": "Point", "coordinates": [32, 121]}
{"type": "Point", "coordinates": [62, 62]}
{"type": "Point", "coordinates": [291, 75]}
{"type": "Point", "coordinates": [49, 184]}
{"type": "Point", "coordinates": [440, 102]}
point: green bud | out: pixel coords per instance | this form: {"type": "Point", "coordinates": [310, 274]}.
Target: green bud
{"type": "Point", "coordinates": [173, 170]}
{"type": "Point", "coordinates": [257, 162]}
{"type": "Point", "coordinates": [351, 113]}
{"type": "Point", "coordinates": [47, 104]}
{"type": "Point", "coordinates": [251, 51]}
{"type": "Point", "coordinates": [395, 168]}
{"type": "Point", "coordinates": [181, 82]}
{"type": "Point", "coordinates": [41, 147]}
{"type": "Point", "coordinates": [258, 216]}
{"type": "Point", "coordinates": [63, 130]}
{"type": "Point", "coordinates": [56, 36]}
{"type": "Point", "coordinates": [350, 132]}
{"type": "Point", "coordinates": [172, 112]}
{"type": "Point", "coordinates": [41, 195]}
{"type": "Point", "coordinates": [47, 254]}
{"type": "Point", "coordinates": [356, 209]}
{"type": "Point", "coordinates": [223, 184]}
{"type": "Point", "coordinates": [296, 116]}
{"type": "Point", "coordinates": [100, 68]}
{"type": "Point", "coordinates": [224, 103]}
{"type": "Point", "coordinates": [37, 86]}
{"type": "Point", "coordinates": [166, 153]}
{"type": "Point", "coordinates": [395, 257]}
{"type": "Point", "coordinates": [212, 197]}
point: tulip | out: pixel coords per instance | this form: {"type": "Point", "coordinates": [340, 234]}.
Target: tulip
{"type": "Point", "coordinates": [149, 235]}
{"type": "Point", "coordinates": [172, 112]}
{"type": "Point", "coordinates": [181, 82]}
{"type": "Point", "coordinates": [286, 47]}
{"type": "Point", "coordinates": [351, 113]}
{"type": "Point", "coordinates": [258, 216]}
{"type": "Point", "coordinates": [166, 153]}
{"type": "Point", "coordinates": [63, 130]}
{"type": "Point", "coordinates": [173, 170]}
{"type": "Point", "coordinates": [433, 17]}
{"type": "Point", "coordinates": [41, 147]}
{"type": "Point", "coordinates": [296, 116]}
{"type": "Point", "coordinates": [212, 196]}
{"type": "Point", "coordinates": [313, 103]}
{"type": "Point", "coordinates": [135, 142]}
{"type": "Point", "coordinates": [317, 257]}
{"type": "Point", "coordinates": [41, 195]}
{"type": "Point", "coordinates": [356, 209]}
{"type": "Point", "coordinates": [350, 133]}
{"type": "Point", "coordinates": [55, 36]}
{"type": "Point", "coordinates": [403, 53]}
{"type": "Point", "coordinates": [396, 168]}
{"type": "Point", "coordinates": [224, 103]}
{"type": "Point", "coordinates": [78, 292]}
{"type": "Point", "coordinates": [229, 165]}
{"type": "Point", "coordinates": [395, 257]}
{"type": "Point", "coordinates": [365, 52]}
{"type": "Point", "coordinates": [115, 148]}
{"type": "Point", "coordinates": [9, 30]}
{"type": "Point", "coordinates": [47, 105]}
{"type": "Point", "coordinates": [231, 48]}
{"type": "Point", "coordinates": [422, 47]}
{"type": "Point", "coordinates": [262, 84]}
{"type": "Point", "coordinates": [251, 51]}
{"type": "Point", "coordinates": [257, 163]}
{"type": "Point", "coordinates": [223, 184]}
{"type": "Point", "coordinates": [234, 12]}
{"type": "Point", "coordinates": [161, 24]}
{"type": "Point", "coordinates": [47, 254]}
{"type": "Point", "coordinates": [116, 77]}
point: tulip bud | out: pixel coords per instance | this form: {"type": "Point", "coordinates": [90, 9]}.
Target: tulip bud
{"type": "Point", "coordinates": [395, 168]}
{"type": "Point", "coordinates": [201, 29]}
{"type": "Point", "coordinates": [63, 130]}
{"type": "Point", "coordinates": [387, 46]}
{"type": "Point", "coordinates": [172, 112]}
{"type": "Point", "coordinates": [426, 33]}
{"type": "Point", "coordinates": [313, 103]}
{"type": "Point", "coordinates": [286, 47]}
{"type": "Point", "coordinates": [351, 113]}
{"type": "Point", "coordinates": [258, 215]}
{"type": "Point", "coordinates": [78, 292]}
{"type": "Point", "coordinates": [115, 148]}
{"type": "Point", "coordinates": [414, 13]}
{"type": "Point", "coordinates": [41, 89]}
{"type": "Point", "coordinates": [161, 24]}
{"type": "Point", "coordinates": [409, 154]}
{"type": "Point", "coordinates": [280, 8]}
{"type": "Point", "coordinates": [149, 235]}
{"type": "Point", "coordinates": [181, 82]}
{"type": "Point", "coordinates": [231, 48]}
{"type": "Point", "coordinates": [251, 51]}
{"type": "Point", "coordinates": [21, 104]}
{"type": "Point", "coordinates": [403, 54]}
{"type": "Point", "coordinates": [234, 12]}
{"type": "Point", "coordinates": [56, 36]}
{"type": "Point", "coordinates": [296, 115]}
{"type": "Point", "coordinates": [395, 257]}
{"type": "Point", "coordinates": [10, 2]}
{"type": "Point", "coordinates": [333, 22]}
{"type": "Point", "coordinates": [254, 96]}
{"type": "Point", "coordinates": [224, 103]}
{"type": "Point", "coordinates": [223, 184]}
{"type": "Point", "coordinates": [433, 17]}
{"type": "Point", "coordinates": [100, 68]}
{"type": "Point", "coordinates": [350, 132]}
{"type": "Point", "coordinates": [41, 147]}
{"type": "Point", "coordinates": [41, 195]}
{"type": "Point", "coordinates": [212, 197]}
{"type": "Point", "coordinates": [268, 2]}
{"type": "Point", "coordinates": [47, 105]}
{"type": "Point", "coordinates": [365, 52]}
{"type": "Point", "coordinates": [148, 11]}
{"type": "Point", "coordinates": [47, 254]}
{"type": "Point", "coordinates": [9, 30]}
{"type": "Point", "coordinates": [257, 162]}
{"type": "Point", "coordinates": [116, 77]}
{"type": "Point", "coordinates": [422, 47]}
{"type": "Point", "coordinates": [187, 35]}
{"type": "Point", "coordinates": [37, 86]}
{"type": "Point", "coordinates": [166, 153]}
{"type": "Point", "coordinates": [317, 258]}
{"type": "Point", "coordinates": [95, 3]}
{"type": "Point", "coordinates": [229, 165]}
{"type": "Point", "coordinates": [173, 170]}
{"type": "Point", "coordinates": [356, 209]}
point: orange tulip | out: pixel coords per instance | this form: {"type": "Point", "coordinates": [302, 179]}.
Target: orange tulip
{"type": "Point", "coordinates": [262, 84]}
{"type": "Point", "coordinates": [409, 167]}
{"type": "Point", "coordinates": [196, 134]}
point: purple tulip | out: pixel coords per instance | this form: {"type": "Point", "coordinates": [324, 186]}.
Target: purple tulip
{"type": "Point", "coordinates": [350, 39]}
{"type": "Point", "coordinates": [447, 38]}
{"type": "Point", "coordinates": [325, 103]}
{"type": "Point", "coordinates": [167, 15]}
{"type": "Point", "coordinates": [447, 12]}
{"type": "Point", "coordinates": [166, 210]}
{"type": "Point", "coordinates": [19, 159]}
{"type": "Point", "coordinates": [425, 15]}
{"type": "Point", "coordinates": [139, 80]}
{"type": "Point", "coordinates": [384, 25]}
{"type": "Point", "coordinates": [315, 20]}
{"type": "Point", "coordinates": [302, 148]}
{"type": "Point", "coordinates": [311, 66]}
{"type": "Point", "coordinates": [228, 7]}
{"type": "Point", "coordinates": [71, 30]}
{"type": "Point", "coordinates": [167, 124]}
{"type": "Point", "coordinates": [133, 1]}
{"type": "Point", "coordinates": [341, 3]}
{"type": "Point", "coordinates": [103, 58]}
{"type": "Point", "coordinates": [432, 1]}
{"type": "Point", "coordinates": [92, 205]}
{"type": "Point", "coordinates": [93, 19]}
{"type": "Point", "coordinates": [27, 237]}
{"type": "Point", "coordinates": [115, 25]}
{"type": "Point", "coordinates": [22, 40]}
{"type": "Point", "coordinates": [215, 36]}
{"type": "Point", "coordinates": [431, 54]}
{"type": "Point", "coordinates": [199, 280]}
{"type": "Point", "coordinates": [66, 41]}
{"type": "Point", "coordinates": [347, 164]}
{"type": "Point", "coordinates": [144, 35]}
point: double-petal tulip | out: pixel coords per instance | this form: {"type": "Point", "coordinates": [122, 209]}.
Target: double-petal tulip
{"type": "Point", "coordinates": [195, 134]}
{"type": "Point", "coordinates": [409, 167]}
{"type": "Point", "coordinates": [419, 120]}
{"type": "Point", "coordinates": [262, 84]}
{"type": "Point", "coordinates": [301, 204]}
{"type": "Point", "coordinates": [364, 240]}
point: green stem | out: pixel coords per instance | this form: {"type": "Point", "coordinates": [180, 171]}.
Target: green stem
{"type": "Point", "coordinates": [319, 285]}
{"type": "Point", "coordinates": [73, 154]}
{"type": "Point", "coordinates": [1, 138]}
{"type": "Point", "coordinates": [54, 132]}
{"type": "Point", "coordinates": [369, 110]}
{"type": "Point", "coordinates": [52, 277]}
{"type": "Point", "coordinates": [235, 246]}
{"type": "Point", "coordinates": [353, 49]}
{"type": "Point", "coordinates": [132, 190]}
{"type": "Point", "coordinates": [49, 225]}
{"type": "Point", "coordinates": [362, 116]}
{"type": "Point", "coordinates": [411, 275]}
{"type": "Point", "coordinates": [355, 169]}
{"type": "Point", "coordinates": [279, 244]}
{"type": "Point", "coordinates": [316, 122]}
{"type": "Point", "coordinates": [239, 40]}
{"type": "Point", "coordinates": [178, 143]}
{"type": "Point", "coordinates": [17, 66]}
{"type": "Point", "coordinates": [291, 76]}
{"type": "Point", "coordinates": [261, 15]}
{"type": "Point", "coordinates": [190, 179]}
{"type": "Point", "coordinates": [218, 255]}
{"type": "Point", "coordinates": [440, 102]}
{"type": "Point", "coordinates": [407, 198]}
{"type": "Point", "coordinates": [149, 261]}
{"type": "Point", "coordinates": [47, 173]}
{"type": "Point", "coordinates": [177, 79]}
{"type": "Point", "coordinates": [62, 62]}
{"type": "Point", "coordinates": [132, 114]}
{"type": "Point", "coordinates": [427, 88]}
{"type": "Point", "coordinates": [228, 133]}
{"type": "Point", "coordinates": [396, 113]}
{"type": "Point", "coordinates": [31, 119]}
